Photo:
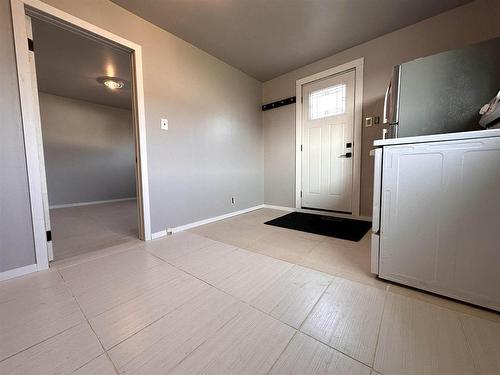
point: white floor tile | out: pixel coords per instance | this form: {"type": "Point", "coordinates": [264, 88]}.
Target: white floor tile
{"type": "Point", "coordinates": [290, 245]}
{"type": "Point", "coordinates": [483, 337]}
{"type": "Point", "coordinates": [96, 254]}
{"type": "Point", "coordinates": [259, 272]}
{"type": "Point", "coordinates": [306, 356]}
{"type": "Point", "coordinates": [248, 344]}
{"type": "Point", "coordinates": [164, 344]}
{"type": "Point", "coordinates": [177, 245]}
{"type": "Point", "coordinates": [347, 318]}
{"type": "Point", "coordinates": [120, 322]}
{"type": "Point", "coordinates": [232, 232]}
{"type": "Point", "coordinates": [96, 296]}
{"type": "Point", "coordinates": [29, 285]}
{"type": "Point", "coordinates": [99, 366]}
{"type": "Point", "coordinates": [110, 266]}
{"type": "Point", "coordinates": [420, 338]}
{"type": "Point", "coordinates": [214, 265]}
{"type": "Point", "coordinates": [61, 354]}
{"type": "Point", "coordinates": [292, 297]}
{"type": "Point", "coordinates": [199, 262]}
{"type": "Point", "coordinates": [33, 317]}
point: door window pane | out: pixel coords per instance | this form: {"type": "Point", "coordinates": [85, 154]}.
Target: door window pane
{"type": "Point", "coordinates": [327, 102]}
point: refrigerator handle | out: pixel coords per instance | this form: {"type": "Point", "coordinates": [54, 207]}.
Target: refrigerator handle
{"type": "Point", "coordinates": [385, 119]}
{"type": "Point", "coordinates": [377, 190]}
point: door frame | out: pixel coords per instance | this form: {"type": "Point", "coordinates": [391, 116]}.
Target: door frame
{"type": "Point", "coordinates": [357, 65]}
{"type": "Point", "coordinates": [30, 109]}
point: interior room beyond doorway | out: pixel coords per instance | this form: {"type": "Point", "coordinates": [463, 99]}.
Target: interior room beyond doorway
{"type": "Point", "coordinates": [85, 100]}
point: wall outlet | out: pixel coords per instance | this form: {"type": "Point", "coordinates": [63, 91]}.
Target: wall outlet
{"type": "Point", "coordinates": [376, 120]}
{"type": "Point", "coordinates": [368, 121]}
{"type": "Point", "coordinates": [164, 124]}
{"type": "Point", "coordinates": [233, 200]}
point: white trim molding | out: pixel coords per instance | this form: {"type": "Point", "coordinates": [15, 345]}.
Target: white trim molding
{"type": "Point", "coordinates": [56, 206]}
{"type": "Point", "coordinates": [281, 208]}
{"type": "Point", "coordinates": [30, 134]}
{"type": "Point", "coordinates": [213, 219]}
{"type": "Point", "coordinates": [16, 272]}
{"type": "Point", "coordinates": [357, 65]}
{"type": "Point", "coordinates": [30, 111]}
{"type": "Point", "coordinates": [159, 234]}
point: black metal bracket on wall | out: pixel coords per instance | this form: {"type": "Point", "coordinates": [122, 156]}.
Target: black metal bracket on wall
{"type": "Point", "coordinates": [278, 103]}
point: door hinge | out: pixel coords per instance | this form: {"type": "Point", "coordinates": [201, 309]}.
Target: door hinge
{"type": "Point", "coordinates": [49, 235]}
{"type": "Point", "coordinates": [31, 45]}
{"type": "Point", "coordinates": [301, 193]}
{"type": "Point", "coordinates": [300, 147]}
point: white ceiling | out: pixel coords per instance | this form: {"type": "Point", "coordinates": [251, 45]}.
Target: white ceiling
{"type": "Point", "coordinates": [68, 64]}
{"type": "Point", "coordinates": [266, 38]}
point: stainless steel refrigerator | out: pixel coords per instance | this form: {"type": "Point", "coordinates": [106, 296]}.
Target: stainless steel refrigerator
{"type": "Point", "coordinates": [442, 93]}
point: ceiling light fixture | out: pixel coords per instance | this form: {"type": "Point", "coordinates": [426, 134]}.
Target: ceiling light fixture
{"type": "Point", "coordinates": [111, 82]}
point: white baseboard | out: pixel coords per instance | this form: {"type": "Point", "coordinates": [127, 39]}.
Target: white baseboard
{"type": "Point", "coordinates": [159, 234]}
{"type": "Point", "coordinates": [213, 219]}
{"type": "Point", "coordinates": [16, 272]}
{"type": "Point", "coordinates": [90, 203]}
{"type": "Point", "coordinates": [281, 208]}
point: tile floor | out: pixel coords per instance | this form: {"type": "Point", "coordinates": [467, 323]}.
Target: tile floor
{"type": "Point", "coordinates": [83, 229]}
{"type": "Point", "coordinates": [189, 304]}
{"type": "Point", "coordinates": [326, 254]}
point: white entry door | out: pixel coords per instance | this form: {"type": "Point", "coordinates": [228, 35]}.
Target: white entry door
{"type": "Point", "coordinates": [327, 143]}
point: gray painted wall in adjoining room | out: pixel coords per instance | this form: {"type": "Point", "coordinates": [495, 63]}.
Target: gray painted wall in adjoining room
{"type": "Point", "coordinates": [89, 150]}
{"type": "Point", "coordinates": [278, 151]}
{"type": "Point", "coordinates": [471, 23]}
{"type": "Point", "coordinates": [17, 247]}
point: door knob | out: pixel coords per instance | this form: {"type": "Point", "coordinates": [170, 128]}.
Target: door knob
{"type": "Point", "coordinates": [346, 155]}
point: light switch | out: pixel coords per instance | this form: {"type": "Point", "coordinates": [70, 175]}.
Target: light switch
{"type": "Point", "coordinates": [368, 121]}
{"type": "Point", "coordinates": [164, 124]}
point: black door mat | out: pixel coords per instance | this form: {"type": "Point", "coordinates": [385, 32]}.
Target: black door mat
{"type": "Point", "coordinates": [345, 229]}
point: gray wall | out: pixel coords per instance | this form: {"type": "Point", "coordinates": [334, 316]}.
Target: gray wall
{"type": "Point", "coordinates": [16, 230]}
{"type": "Point", "coordinates": [279, 156]}
{"type": "Point", "coordinates": [459, 27]}
{"type": "Point", "coordinates": [89, 150]}
{"type": "Point", "coordinates": [214, 147]}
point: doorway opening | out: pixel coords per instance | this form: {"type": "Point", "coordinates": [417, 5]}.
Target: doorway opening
{"type": "Point", "coordinates": [88, 154]}
{"type": "Point", "coordinates": [83, 118]}
{"type": "Point", "coordinates": [328, 135]}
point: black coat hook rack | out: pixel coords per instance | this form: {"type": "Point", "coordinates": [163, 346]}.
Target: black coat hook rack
{"type": "Point", "coordinates": [278, 103]}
